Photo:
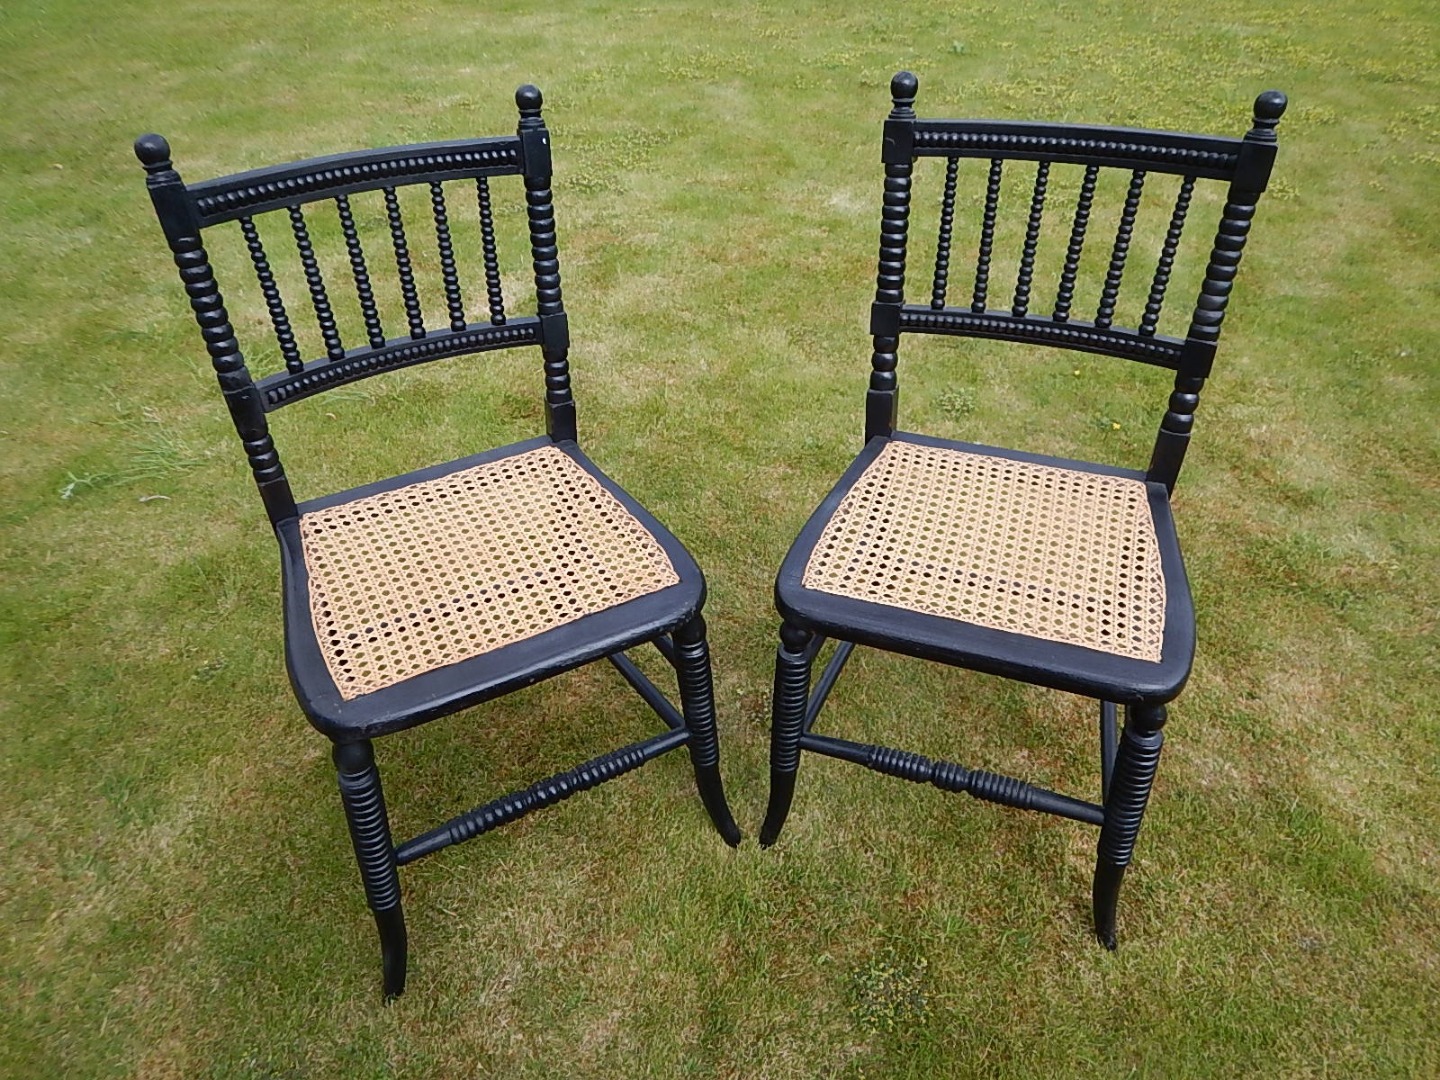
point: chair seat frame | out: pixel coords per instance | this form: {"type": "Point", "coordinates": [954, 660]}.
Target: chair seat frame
{"type": "Point", "coordinates": [1056, 664]}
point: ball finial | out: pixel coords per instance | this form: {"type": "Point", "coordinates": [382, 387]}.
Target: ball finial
{"type": "Point", "coordinates": [903, 88]}
{"type": "Point", "coordinates": [1271, 106]}
{"type": "Point", "coordinates": [528, 100]}
{"type": "Point", "coordinates": [153, 152]}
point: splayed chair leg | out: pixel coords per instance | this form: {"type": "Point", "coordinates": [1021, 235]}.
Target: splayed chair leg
{"type": "Point", "coordinates": [1136, 760]}
{"type": "Point", "coordinates": [697, 702]}
{"type": "Point", "coordinates": [788, 703]}
{"type": "Point", "coordinates": [394, 950]}
{"type": "Point", "coordinates": [364, 803]}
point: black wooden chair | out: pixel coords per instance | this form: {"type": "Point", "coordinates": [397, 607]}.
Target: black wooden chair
{"type": "Point", "coordinates": [414, 597]}
{"type": "Point", "coordinates": [1061, 573]}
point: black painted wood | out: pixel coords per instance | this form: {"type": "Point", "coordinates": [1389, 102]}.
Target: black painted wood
{"type": "Point", "coordinates": [274, 304]}
{"type": "Point", "coordinates": [942, 244]}
{"type": "Point", "coordinates": [1120, 252]}
{"type": "Point", "coordinates": [540, 215]}
{"type": "Point", "coordinates": [827, 680]}
{"type": "Point", "coordinates": [315, 282]}
{"type": "Point", "coordinates": [880, 403]}
{"type": "Point", "coordinates": [947, 776]}
{"type": "Point", "coordinates": [318, 376]}
{"type": "Point", "coordinates": [448, 272]}
{"type": "Point", "coordinates": [648, 691]}
{"type": "Point", "coordinates": [669, 618]}
{"type": "Point", "coordinates": [1174, 436]}
{"type": "Point", "coordinates": [665, 646]}
{"type": "Point", "coordinates": [1026, 275]}
{"type": "Point", "coordinates": [697, 698]}
{"type": "Point", "coordinates": [1161, 281]}
{"type": "Point", "coordinates": [1031, 329]}
{"type": "Point", "coordinates": [179, 221]}
{"type": "Point", "coordinates": [403, 268]}
{"type": "Point", "coordinates": [1066, 294]}
{"type": "Point", "coordinates": [374, 332]}
{"type": "Point", "coordinates": [987, 237]}
{"type": "Point", "coordinates": [1108, 744]}
{"type": "Point", "coordinates": [789, 702]}
{"type": "Point", "coordinates": [363, 799]}
{"type": "Point", "coordinates": [1128, 761]}
{"type": "Point", "coordinates": [1136, 760]}
{"type": "Point", "coordinates": [259, 190]}
{"type": "Point", "coordinates": [493, 290]}
{"type": "Point", "coordinates": [1215, 158]}
{"type": "Point", "coordinates": [537, 796]}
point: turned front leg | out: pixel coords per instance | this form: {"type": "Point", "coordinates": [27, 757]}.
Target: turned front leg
{"type": "Point", "coordinates": [364, 802]}
{"type": "Point", "coordinates": [1136, 760]}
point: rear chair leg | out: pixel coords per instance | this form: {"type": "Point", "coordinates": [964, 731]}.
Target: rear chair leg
{"type": "Point", "coordinates": [1107, 747]}
{"type": "Point", "coordinates": [1136, 760]}
{"type": "Point", "coordinates": [364, 803]}
{"type": "Point", "coordinates": [788, 704]}
{"type": "Point", "coordinates": [697, 702]}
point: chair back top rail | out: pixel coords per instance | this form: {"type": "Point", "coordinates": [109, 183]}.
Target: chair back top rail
{"type": "Point", "coordinates": [247, 194]}
{"type": "Point", "coordinates": [1211, 157]}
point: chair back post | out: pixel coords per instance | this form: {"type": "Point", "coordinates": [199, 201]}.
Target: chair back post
{"type": "Point", "coordinates": [540, 209]}
{"type": "Point", "coordinates": [176, 210]}
{"type": "Point", "coordinates": [881, 401]}
{"type": "Point", "coordinates": [1252, 174]}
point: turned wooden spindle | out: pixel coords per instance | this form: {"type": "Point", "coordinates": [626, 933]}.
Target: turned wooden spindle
{"type": "Point", "coordinates": [274, 304]}
{"type": "Point", "coordinates": [374, 332]}
{"type": "Point", "coordinates": [1065, 296]}
{"type": "Point", "coordinates": [1026, 275]}
{"type": "Point", "coordinates": [411, 296]}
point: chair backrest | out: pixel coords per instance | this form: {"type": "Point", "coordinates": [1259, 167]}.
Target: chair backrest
{"type": "Point", "coordinates": [186, 211]}
{"type": "Point", "coordinates": [1242, 163]}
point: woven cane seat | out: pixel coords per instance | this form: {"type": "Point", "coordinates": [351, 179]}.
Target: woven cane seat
{"type": "Point", "coordinates": [1049, 552]}
{"type": "Point", "coordinates": [413, 579]}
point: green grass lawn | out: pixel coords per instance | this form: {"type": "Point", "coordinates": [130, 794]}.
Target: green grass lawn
{"type": "Point", "coordinates": [177, 892]}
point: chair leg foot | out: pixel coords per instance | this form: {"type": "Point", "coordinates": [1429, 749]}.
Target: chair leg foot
{"type": "Point", "coordinates": [788, 704]}
{"type": "Point", "coordinates": [1105, 894]}
{"type": "Point", "coordinates": [782, 791]}
{"type": "Point", "coordinates": [394, 950]}
{"type": "Point", "coordinates": [364, 802]}
{"type": "Point", "coordinates": [1136, 759]}
{"type": "Point", "coordinates": [697, 701]}
{"type": "Point", "coordinates": [712, 795]}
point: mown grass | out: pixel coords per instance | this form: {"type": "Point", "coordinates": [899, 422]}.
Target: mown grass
{"type": "Point", "coordinates": [177, 890]}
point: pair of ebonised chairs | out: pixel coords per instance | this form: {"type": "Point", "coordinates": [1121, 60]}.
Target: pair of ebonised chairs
{"type": "Point", "coordinates": [415, 597]}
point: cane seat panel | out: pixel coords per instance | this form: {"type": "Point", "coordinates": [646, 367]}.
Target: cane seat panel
{"type": "Point", "coordinates": [1049, 552]}
{"type": "Point", "coordinates": [413, 579]}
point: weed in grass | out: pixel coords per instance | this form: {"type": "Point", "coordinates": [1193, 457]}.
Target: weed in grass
{"type": "Point", "coordinates": [753, 708]}
{"type": "Point", "coordinates": [890, 992]}
{"type": "Point", "coordinates": [75, 484]}
{"type": "Point", "coordinates": [956, 401]}
{"type": "Point", "coordinates": [211, 670]}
